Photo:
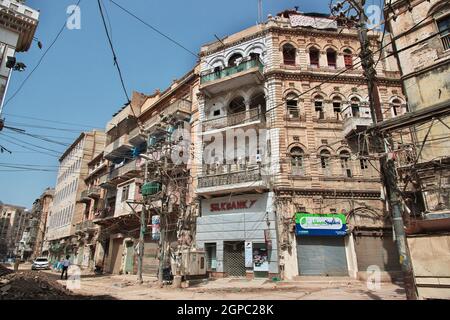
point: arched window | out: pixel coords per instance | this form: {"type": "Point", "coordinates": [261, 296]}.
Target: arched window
{"type": "Point", "coordinates": [234, 59]}
{"type": "Point", "coordinates": [292, 106]}
{"type": "Point", "coordinates": [397, 107]}
{"type": "Point", "coordinates": [337, 107]}
{"type": "Point", "coordinates": [318, 107]}
{"type": "Point", "coordinates": [442, 18]}
{"type": "Point", "coordinates": [289, 53]}
{"type": "Point", "coordinates": [237, 105]}
{"type": "Point", "coordinates": [325, 158]}
{"type": "Point", "coordinates": [297, 167]}
{"type": "Point", "coordinates": [331, 58]}
{"type": "Point", "coordinates": [348, 59]}
{"type": "Point", "coordinates": [344, 156]}
{"type": "Point", "coordinates": [355, 104]}
{"type": "Point", "coordinates": [314, 57]}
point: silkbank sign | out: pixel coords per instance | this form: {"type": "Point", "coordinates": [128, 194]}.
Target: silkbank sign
{"type": "Point", "coordinates": [320, 224]}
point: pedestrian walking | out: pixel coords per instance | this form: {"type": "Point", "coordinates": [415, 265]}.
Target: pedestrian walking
{"type": "Point", "coordinates": [65, 267]}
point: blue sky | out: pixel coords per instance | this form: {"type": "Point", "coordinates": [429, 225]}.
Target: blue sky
{"type": "Point", "coordinates": [77, 82]}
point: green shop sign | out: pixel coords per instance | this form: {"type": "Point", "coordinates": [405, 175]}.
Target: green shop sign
{"type": "Point", "coordinates": [320, 224]}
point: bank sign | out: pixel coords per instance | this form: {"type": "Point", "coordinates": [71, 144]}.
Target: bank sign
{"type": "Point", "coordinates": [320, 224]}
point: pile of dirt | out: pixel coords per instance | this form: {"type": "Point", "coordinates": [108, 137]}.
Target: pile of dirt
{"type": "Point", "coordinates": [4, 270]}
{"type": "Point", "coordinates": [31, 285]}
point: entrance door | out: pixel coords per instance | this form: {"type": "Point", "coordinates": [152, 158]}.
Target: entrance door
{"type": "Point", "coordinates": [129, 258]}
{"type": "Point", "coordinates": [116, 256]}
{"type": "Point", "coordinates": [321, 256]}
{"type": "Point", "coordinates": [234, 258]}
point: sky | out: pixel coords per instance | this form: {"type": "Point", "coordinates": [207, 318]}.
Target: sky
{"type": "Point", "coordinates": [76, 87]}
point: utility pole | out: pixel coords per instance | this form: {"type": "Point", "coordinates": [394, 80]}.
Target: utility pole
{"type": "Point", "coordinates": [143, 229]}
{"type": "Point", "coordinates": [388, 172]}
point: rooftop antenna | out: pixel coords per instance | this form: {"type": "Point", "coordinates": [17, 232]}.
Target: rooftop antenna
{"type": "Point", "coordinates": [260, 12]}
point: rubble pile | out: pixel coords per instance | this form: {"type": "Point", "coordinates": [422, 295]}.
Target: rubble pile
{"type": "Point", "coordinates": [4, 270]}
{"type": "Point", "coordinates": [29, 285]}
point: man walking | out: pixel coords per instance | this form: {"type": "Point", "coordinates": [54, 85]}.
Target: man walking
{"type": "Point", "coordinates": [65, 267]}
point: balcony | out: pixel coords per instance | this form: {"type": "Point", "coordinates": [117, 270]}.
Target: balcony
{"type": "Point", "coordinates": [118, 148]}
{"type": "Point", "coordinates": [355, 119]}
{"type": "Point", "coordinates": [93, 192]}
{"type": "Point", "coordinates": [87, 226]}
{"type": "Point", "coordinates": [120, 174]}
{"type": "Point", "coordinates": [253, 116]}
{"type": "Point", "coordinates": [249, 71]}
{"type": "Point", "coordinates": [236, 177]}
{"type": "Point", "coordinates": [84, 198]}
{"type": "Point", "coordinates": [136, 137]}
{"type": "Point", "coordinates": [445, 38]}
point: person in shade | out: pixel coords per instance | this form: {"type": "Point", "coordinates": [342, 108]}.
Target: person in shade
{"type": "Point", "coordinates": [65, 267]}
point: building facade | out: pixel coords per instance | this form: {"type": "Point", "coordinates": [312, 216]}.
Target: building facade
{"type": "Point", "coordinates": [68, 209]}
{"type": "Point", "coordinates": [421, 33]}
{"type": "Point", "coordinates": [18, 24]}
{"type": "Point", "coordinates": [13, 220]}
{"type": "Point", "coordinates": [270, 96]}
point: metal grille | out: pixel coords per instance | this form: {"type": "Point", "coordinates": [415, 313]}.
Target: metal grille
{"type": "Point", "coordinates": [234, 258]}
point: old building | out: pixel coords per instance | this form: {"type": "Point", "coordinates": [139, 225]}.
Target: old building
{"type": "Point", "coordinates": [421, 33]}
{"type": "Point", "coordinates": [42, 206]}
{"type": "Point", "coordinates": [68, 209]}
{"type": "Point", "coordinates": [13, 220]}
{"type": "Point", "coordinates": [276, 104]}
{"type": "Point", "coordinates": [18, 24]}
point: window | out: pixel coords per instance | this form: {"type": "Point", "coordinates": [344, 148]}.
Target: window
{"type": "Point", "coordinates": [292, 106]}
{"type": "Point", "coordinates": [364, 164]}
{"type": "Point", "coordinates": [289, 53]}
{"type": "Point", "coordinates": [345, 157]}
{"type": "Point", "coordinates": [234, 60]}
{"type": "Point", "coordinates": [331, 58]}
{"type": "Point", "coordinates": [314, 57]}
{"type": "Point", "coordinates": [125, 192]}
{"type": "Point", "coordinates": [325, 157]}
{"type": "Point", "coordinates": [216, 113]}
{"type": "Point", "coordinates": [355, 102]}
{"type": "Point", "coordinates": [348, 59]}
{"type": "Point", "coordinates": [318, 106]}
{"type": "Point", "coordinates": [397, 107]}
{"type": "Point", "coordinates": [297, 161]}
{"type": "Point", "coordinates": [444, 29]}
{"type": "Point", "coordinates": [254, 56]}
{"type": "Point", "coordinates": [337, 106]}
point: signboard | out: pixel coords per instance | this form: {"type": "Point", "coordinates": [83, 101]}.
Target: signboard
{"type": "Point", "coordinates": [234, 204]}
{"type": "Point", "coordinates": [260, 259]}
{"type": "Point", "coordinates": [155, 227]}
{"type": "Point", "coordinates": [248, 254]}
{"type": "Point", "coordinates": [320, 224]}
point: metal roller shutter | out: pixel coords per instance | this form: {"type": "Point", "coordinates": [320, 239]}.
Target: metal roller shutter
{"type": "Point", "coordinates": [150, 263]}
{"type": "Point", "coordinates": [379, 251]}
{"type": "Point", "coordinates": [234, 258]}
{"type": "Point", "coordinates": [321, 256]}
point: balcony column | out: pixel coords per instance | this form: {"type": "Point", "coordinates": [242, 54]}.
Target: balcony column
{"type": "Point", "coordinates": [247, 109]}
{"type": "Point", "coordinates": [323, 62]}
{"type": "Point", "coordinates": [340, 63]}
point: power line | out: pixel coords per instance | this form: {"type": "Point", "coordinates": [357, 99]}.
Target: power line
{"type": "Point", "coordinates": [51, 121]}
{"type": "Point", "coordinates": [28, 148]}
{"type": "Point", "coordinates": [116, 62]}
{"type": "Point", "coordinates": [38, 137]}
{"type": "Point", "coordinates": [40, 60]}
{"type": "Point", "coordinates": [34, 145]}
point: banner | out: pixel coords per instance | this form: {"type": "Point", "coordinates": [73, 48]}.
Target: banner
{"type": "Point", "coordinates": [320, 224]}
{"type": "Point", "coordinates": [155, 227]}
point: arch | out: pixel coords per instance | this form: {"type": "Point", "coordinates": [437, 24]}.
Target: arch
{"type": "Point", "coordinates": [297, 144]}
{"type": "Point", "coordinates": [435, 8]}
{"type": "Point", "coordinates": [314, 57]}
{"type": "Point", "coordinates": [228, 55]}
{"type": "Point", "coordinates": [331, 58]}
{"type": "Point", "coordinates": [254, 47]}
{"type": "Point", "coordinates": [325, 147]}
{"type": "Point", "coordinates": [234, 59]}
{"type": "Point", "coordinates": [289, 54]}
{"type": "Point", "coordinates": [297, 156]}
{"type": "Point", "coordinates": [313, 46]}
{"type": "Point", "coordinates": [217, 62]}
{"type": "Point", "coordinates": [236, 105]}
{"type": "Point", "coordinates": [330, 46]}
{"type": "Point", "coordinates": [397, 106]}
{"type": "Point", "coordinates": [291, 91]}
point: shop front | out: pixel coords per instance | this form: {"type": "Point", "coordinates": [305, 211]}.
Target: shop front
{"type": "Point", "coordinates": [321, 244]}
{"type": "Point", "coordinates": [238, 234]}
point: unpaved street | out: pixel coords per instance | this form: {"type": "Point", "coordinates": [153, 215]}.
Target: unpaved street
{"type": "Point", "coordinates": [124, 287]}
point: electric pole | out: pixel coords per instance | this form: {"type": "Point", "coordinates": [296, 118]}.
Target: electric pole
{"type": "Point", "coordinates": [388, 172]}
{"type": "Point", "coordinates": [143, 229]}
